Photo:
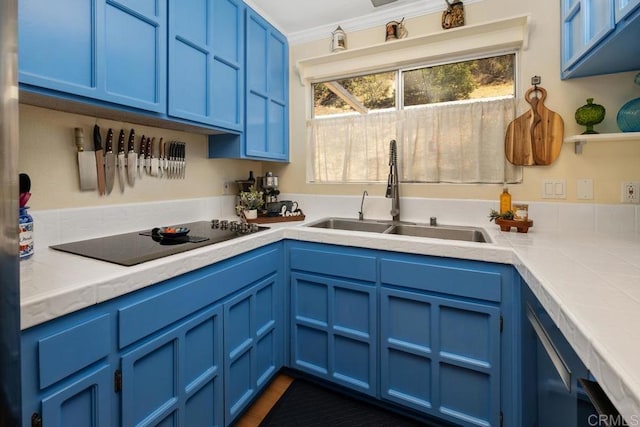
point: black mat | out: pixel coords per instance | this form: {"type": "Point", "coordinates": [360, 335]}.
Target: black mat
{"type": "Point", "coordinates": [308, 405]}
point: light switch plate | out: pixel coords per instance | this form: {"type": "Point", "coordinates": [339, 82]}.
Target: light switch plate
{"type": "Point", "coordinates": [585, 189]}
{"type": "Point", "coordinates": [554, 189]}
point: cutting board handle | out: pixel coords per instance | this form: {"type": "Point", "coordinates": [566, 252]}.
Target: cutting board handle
{"type": "Point", "coordinates": [536, 99]}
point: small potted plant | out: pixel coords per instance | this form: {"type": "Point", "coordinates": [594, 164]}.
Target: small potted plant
{"type": "Point", "coordinates": [249, 202]}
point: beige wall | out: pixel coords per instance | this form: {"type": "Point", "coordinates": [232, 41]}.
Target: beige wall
{"type": "Point", "coordinates": [47, 153]}
{"type": "Point", "coordinates": [607, 163]}
{"type": "Point", "coordinates": [47, 150]}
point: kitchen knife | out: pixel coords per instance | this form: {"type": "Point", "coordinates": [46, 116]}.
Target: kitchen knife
{"type": "Point", "coordinates": [109, 163]}
{"type": "Point", "coordinates": [86, 163]}
{"type": "Point", "coordinates": [160, 157]}
{"type": "Point", "coordinates": [141, 156]}
{"type": "Point", "coordinates": [172, 160]}
{"type": "Point", "coordinates": [99, 152]}
{"type": "Point", "coordinates": [176, 156]}
{"type": "Point", "coordinates": [183, 160]}
{"type": "Point", "coordinates": [165, 161]}
{"type": "Point", "coordinates": [154, 159]}
{"type": "Point", "coordinates": [132, 159]}
{"type": "Point", "coordinates": [121, 160]}
{"type": "Point", "coordinates": [147, 156]}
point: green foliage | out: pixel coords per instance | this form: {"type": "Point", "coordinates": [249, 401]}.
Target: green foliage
{"type": "Point", "coordinates": [494, 214]}
{"type": "Point", "coordinates": [441, 83]}
{"type": "Point", "coordinates": [450, 82]}
{"type": "Point", "coordinates": [249, 200]}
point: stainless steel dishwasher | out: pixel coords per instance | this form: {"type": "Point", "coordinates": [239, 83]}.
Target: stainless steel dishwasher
{"type": "Point", "coordinates": [558, 389]}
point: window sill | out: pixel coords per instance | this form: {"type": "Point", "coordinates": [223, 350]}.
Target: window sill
{"type": "Point", "coordinates": [511, 33]}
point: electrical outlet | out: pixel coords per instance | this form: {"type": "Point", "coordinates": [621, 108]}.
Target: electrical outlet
{"type": "Point", "coordinates": [226, 189]}
{"type": "Point", "coordinates": [631, 192]}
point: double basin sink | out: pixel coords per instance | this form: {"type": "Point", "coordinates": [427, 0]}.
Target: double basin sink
{"type": "Point", "coordinates": [449, 232]}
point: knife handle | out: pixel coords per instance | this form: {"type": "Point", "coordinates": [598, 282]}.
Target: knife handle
{"type": "Point", "coordinates": [121, 141]}
{"type": "Point", "coordinates": [109, 144]}
{"type": "Point", "coordinates": [78, 134]}
{"type": "Point", "coordinates": [130, 145]}
{"type": "Point", "coordinates": [97, 138]}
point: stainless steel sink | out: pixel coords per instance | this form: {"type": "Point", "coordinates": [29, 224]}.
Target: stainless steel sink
{"type": "Point", "coordinates": [449, 232]}
{"type": "Point", "coordinates": [352, 225]}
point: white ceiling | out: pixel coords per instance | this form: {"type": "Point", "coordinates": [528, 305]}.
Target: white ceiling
{"type": "Point", "coordinates": [306, 20]}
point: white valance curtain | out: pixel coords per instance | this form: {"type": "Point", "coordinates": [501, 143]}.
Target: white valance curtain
{"type": "Point", "coordinates": [457, 142]}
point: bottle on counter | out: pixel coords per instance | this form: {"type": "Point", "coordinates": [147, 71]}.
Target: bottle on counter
{"type": "Point", "coordinates": [26, 233]}
{"type": "Point", "coordinates": [505, 201]}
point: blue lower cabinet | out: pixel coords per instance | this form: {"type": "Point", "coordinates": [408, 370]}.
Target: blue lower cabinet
{"type": "Point", "coordinates": [67, 377]}
{"type": "Point", "coordinates": [253, 343]}
{"type": "Point", "coordinates": [169, 354]}
{"type": "Point", "coordinates": [333, 330]}
{"type": "Point", "coordinates": [437, 336]}
{"type": "Point", "coordinates": [441, 356]}
{"type": "Point", "coordinates": [176, 378]}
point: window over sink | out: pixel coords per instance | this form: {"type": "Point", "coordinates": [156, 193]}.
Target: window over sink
{"type": "Point", "coordinates": [448, 118]}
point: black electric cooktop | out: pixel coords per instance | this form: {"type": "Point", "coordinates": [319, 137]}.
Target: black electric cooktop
{"type": "Point", "coordinates": [137, 247]}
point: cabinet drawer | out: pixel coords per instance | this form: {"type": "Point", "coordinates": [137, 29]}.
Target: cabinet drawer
{"type": "Point", "coordinates": [72, 349]}
{"type": "Point", "coordinates": [452, 280]}
{"type": "Point", "coordinates": [336, 262]}
{"type": "Point", "coordinates": [196, 291]}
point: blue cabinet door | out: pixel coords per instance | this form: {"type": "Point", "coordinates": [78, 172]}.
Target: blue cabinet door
{"type": "Point", "coordinates": [584, 24]}
{"type": "Point", "coordinates": [113, 51]}
{"type": "Point", "coordinates": [206, 62]}
{"type": "Point", "coordinates": [267, 129]}
{"type": "Point", "coordinates": [86, 401]}
{"type": "Point", "coordinates": [176, 378]}
{"type": "Point", "coordinates": [57, 45]}
{"type": "Point", "coordinates": [623, 8]}
{"type": "Point", "coordinates": [67, 376]}
{"type": "Point", "coordinates": [333, 330]}
{"type": "Point", "coordinates": [132, 63]}
{"type": "Point", "coordinates": [253, 343]}
{"type": "Point", "coordinates": [441, 356]}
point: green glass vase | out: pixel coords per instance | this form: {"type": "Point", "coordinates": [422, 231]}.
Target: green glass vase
{"type": "Point", "coordinates": [589, 115]}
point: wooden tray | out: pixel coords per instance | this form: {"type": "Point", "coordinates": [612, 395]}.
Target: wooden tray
{"type": "Point", "coordinates": [507, 224]}
{"type": "Point", "coordinates": [264, 219]}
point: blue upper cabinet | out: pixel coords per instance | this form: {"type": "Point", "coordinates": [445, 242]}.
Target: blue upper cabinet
{"type": "Point", "coordinates": [266, 132]}
{"type": "Point", "coordinates": [206, 62]}
{"type": "Point", "coordinates": [599, 37]}
{"type": "Point", "coordinates": [267, 90]}
{"type": "Point", "coordinates": [624, 8]}
{"type": "Point", "coordinates": [112, 51]}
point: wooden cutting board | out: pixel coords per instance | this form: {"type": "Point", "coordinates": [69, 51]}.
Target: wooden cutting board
{"type": "Point", "coordinates": [535, 137]}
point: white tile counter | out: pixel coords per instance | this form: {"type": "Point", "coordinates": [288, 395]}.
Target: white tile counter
{"type": "Point", "coordinates": [588, 281]}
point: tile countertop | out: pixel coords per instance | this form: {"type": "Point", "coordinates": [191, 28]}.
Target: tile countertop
{"type": "Point", "coordinates": [589, 283]}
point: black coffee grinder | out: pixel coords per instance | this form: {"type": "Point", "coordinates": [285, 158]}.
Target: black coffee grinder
{"type": "Point", "coordinates": [269, 186]}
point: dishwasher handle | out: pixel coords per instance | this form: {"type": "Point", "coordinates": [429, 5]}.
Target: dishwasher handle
{"type": "Point", "coordinates": [555, 356]}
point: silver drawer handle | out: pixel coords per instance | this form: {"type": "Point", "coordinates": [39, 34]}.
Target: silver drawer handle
{"type": "Point", "coordinates": [554, 355]}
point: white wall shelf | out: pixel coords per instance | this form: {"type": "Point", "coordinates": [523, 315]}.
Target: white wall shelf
{"type": "Point", "coordinates": [510, 33]}
{"type": "Point", "coordinates": [581, 140]}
